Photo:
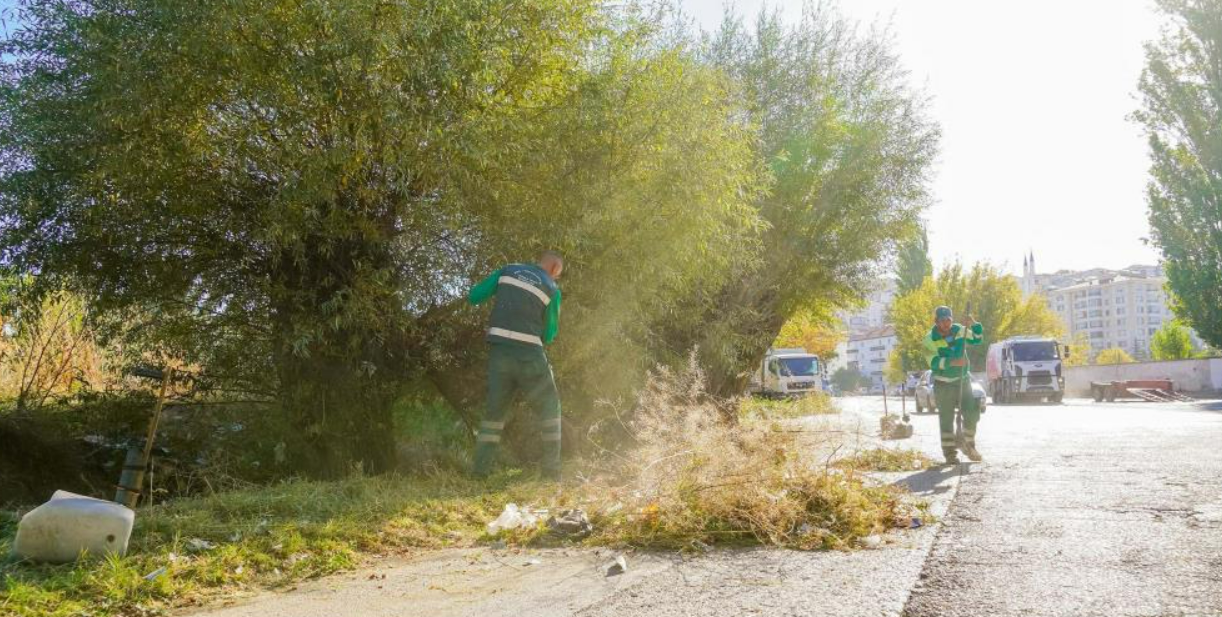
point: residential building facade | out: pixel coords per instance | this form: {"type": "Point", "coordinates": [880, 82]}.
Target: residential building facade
{"type": "Point", "coordinates": [868, 351]}
{"type": "Point", "coordinates": [874, 314]}
{"type": "Point", "coordinates": [1111, 308]}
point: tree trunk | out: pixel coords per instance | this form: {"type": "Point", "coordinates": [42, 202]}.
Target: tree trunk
{"type": "Point", "coordinates": [338, 356]}
{"type": "Point", "coordinates": [340, 417]}
{"type": "Point", "coordinates": [744, 326]}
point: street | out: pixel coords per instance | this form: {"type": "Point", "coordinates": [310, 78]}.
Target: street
{"type": "Point", "coordinates": [1080, 509]}
{"type": "Point", "coordinates": [1084, 509]}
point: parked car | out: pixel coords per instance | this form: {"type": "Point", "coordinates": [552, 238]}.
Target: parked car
{"type": "Point", "coordinates": [924, 394]}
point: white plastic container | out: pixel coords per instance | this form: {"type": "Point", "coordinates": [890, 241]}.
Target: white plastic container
{"type": "Point", "coordinates": [61, 529]}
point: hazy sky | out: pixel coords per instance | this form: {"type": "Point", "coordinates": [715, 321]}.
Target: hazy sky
{"type": "Point", "coordinates": [1032, 97]}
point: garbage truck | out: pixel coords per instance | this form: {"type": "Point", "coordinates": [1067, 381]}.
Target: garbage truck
{"type": "Point", "coordinates": [1026, 367]}
{"type": "Point", "coordinates": [788, 372]}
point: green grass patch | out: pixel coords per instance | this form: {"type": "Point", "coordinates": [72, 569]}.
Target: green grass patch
{"type": "Point", "coordinates": [269, 536]}
{"type": "Point", "coordinates": [886, 459]}
{"type": "Point", "coordinates": [813, 404]}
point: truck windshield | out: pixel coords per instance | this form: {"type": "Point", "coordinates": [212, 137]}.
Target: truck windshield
{"type": "Point", "coordinates": [799, 367]}
{"type": "Point", "coordinates": [1035, 351]}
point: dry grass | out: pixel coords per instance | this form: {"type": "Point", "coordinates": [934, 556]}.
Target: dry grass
{"type": "Point", "coordinates": [887, 459]}
{"type": "Point", "coordinates": [688, 477]}
{"type": "Point", "coordinates": [694, 477]}
{"type": "Point", "coordinates": [813, 404]}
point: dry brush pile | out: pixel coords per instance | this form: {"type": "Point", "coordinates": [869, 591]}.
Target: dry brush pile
{"type": "Point", "coordinates": [695, 474]}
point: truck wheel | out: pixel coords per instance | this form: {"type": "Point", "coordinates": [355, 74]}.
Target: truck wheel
{"type": "Point", "coordinates": [1057, 398]}
{"type": "Point", "coordinates": [1097, 393]}
{"type": "Point", "coordinates": [1111, 394]}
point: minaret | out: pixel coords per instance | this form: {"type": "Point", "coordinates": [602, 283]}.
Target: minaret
{"type": "Point", "coordinates": [1028, 282]}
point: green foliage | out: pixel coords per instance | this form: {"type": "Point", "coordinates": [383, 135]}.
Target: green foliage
{"type": "Point", "coordinates": [895, 372]}
{"type": "Point", "coordinates": [814, 404]}
{"type": "Point", "coordinates": [1171, 342]}
{"type": "Point", "coordinates": [1079, 351]}
{"type": "Point", "coordinates": [816, 331]}
{"type": "Point", "coordinates": [913, 265]}
{"type": "Point", "coordinates": [849, 378]}
{"type": "Point", "coordinates": [849, 148]}
{"type": "Point", "coordinates": [293, 196]}
{"type": "Point", "coordinates": [1113, 355]}
{"type": "Point", "coordinates": [289, 193]}
{"type": "Point", "coordinates": [1181, 90]}
{"type": "Point", "coordinates": [997, 303]}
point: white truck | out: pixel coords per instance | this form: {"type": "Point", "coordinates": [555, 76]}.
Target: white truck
{"type": "Point", "coordinates": [788, 372]}
{"type": "Point", "coordinates": [1026, 367]}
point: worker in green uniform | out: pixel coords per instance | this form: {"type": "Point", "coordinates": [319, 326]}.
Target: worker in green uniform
{"type": "Point", "coordinates": [945, 350]}
{"type": "Point", "coordinates": [525, 317]}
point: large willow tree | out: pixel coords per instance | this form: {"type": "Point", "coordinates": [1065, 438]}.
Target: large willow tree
{"type": "Point", "coordinates": [287, 194]}
{"type": "Point", "coordinates": [848, 147]}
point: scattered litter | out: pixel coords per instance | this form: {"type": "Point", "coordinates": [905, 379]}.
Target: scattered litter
{"type": "Point", "coordinates": [916, 522]}
{"type": "Point", "coordinates": [701, 546]}
{"type": "Point", "coordinates": [513, 518]}
{"type": "Point", "coordinates": [532, 562]}
{"type": "Point", "coordinates": [619, 566]}
{"type": "Point", "coordinates": [570, 524]}
{"type": "Point", "coordinates": [239, 569]}
{"type": "Point", "coordinates": [155, 574]}
{"type": "Point", "coordinates": [872, 541]}
{"type": "Point", "coordinates": [196, 545]}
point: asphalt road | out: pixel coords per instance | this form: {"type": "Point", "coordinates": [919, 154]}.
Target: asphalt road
{"type": "Point", "coordinates": [1109, 509]}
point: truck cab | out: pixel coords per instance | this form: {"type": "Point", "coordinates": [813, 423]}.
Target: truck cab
{"type": "Point", "coordinates": [1025, 367]}
{"type": "Point", "coordinates": [788, 372]}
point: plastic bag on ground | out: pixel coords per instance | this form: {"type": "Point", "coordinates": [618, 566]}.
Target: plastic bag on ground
{"type": "Point", "coordinates": [512, 517]}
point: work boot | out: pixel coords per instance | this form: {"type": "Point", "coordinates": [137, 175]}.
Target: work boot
{"type": "Point", "coordinates": [970, 450]}
{"type": "Point", "coordinates": [951, 455]}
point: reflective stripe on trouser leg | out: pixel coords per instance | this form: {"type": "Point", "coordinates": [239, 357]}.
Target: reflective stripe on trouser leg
{"type": "Point", "coordinates": [500, 392]}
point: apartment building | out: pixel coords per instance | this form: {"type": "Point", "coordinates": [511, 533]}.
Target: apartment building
{"type": "Point", "coordinates": [874, 314]}
{"type": "Point", "coordinates": [868, 351]}
{"type": "Point", "coordinates": [1113, 308]}
{"type": "Point", "coordinates": [1118, 311]}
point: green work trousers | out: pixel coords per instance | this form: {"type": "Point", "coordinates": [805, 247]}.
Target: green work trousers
{"type": "Point", "coordinates": [947, 396]}
{"type": "Point", "coordinates": [519, 370]}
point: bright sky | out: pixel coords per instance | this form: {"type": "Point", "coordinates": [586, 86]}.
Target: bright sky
{"type": "Point", "coordinates": [1032, 97]}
